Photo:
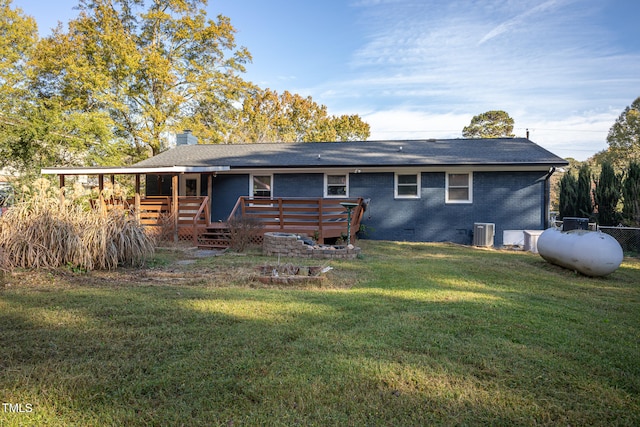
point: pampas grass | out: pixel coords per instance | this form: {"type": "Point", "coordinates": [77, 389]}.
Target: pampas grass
{"type": "Point", "coordinates": [47, 230]}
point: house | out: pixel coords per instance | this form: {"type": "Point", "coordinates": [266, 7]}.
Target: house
{"type": "Point", "coordinates": [418, 190]}
{"type": "Point", "coordinates": [415, 190]}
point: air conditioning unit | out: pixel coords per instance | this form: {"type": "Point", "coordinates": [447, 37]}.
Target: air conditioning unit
{"type": "Point", "coordinates": [483, 233]}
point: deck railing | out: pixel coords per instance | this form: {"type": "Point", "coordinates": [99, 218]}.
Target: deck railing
{"type": "Point", "coordinates": [317, 217]}
{"type": "Point", "coordinates": [201, 219]}
{"type": "Point", "coordinates": [156, 212]}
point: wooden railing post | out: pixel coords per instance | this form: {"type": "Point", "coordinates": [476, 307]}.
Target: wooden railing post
{"type": "Point", "coordinates": [174, 206]}
{"type": "Point", "coordinates": [280, 213]}
{"type": "Point", "coordinates": [320, 219]}
{"type": "Point", "coordinates": [197, 218]}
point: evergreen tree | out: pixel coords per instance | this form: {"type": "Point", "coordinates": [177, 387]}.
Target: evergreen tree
{"type": "Point", "coordinates": [568, 196]}
{"type": "Point", "coordinates": [584, 208]}
{"type": "Point", "coordinates": [631, 195]}
{"type": "Point", "coordinates": [606, 195]}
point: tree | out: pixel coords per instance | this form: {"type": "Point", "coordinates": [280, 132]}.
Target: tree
{"type": "Point", "coordinates": [574, 199]}
{"type": "Point", "coordinates": [492, 124]}
{"type": "Point", "coordinates": [150, 68]}
{"type": "Point", "coordinates": [18, 35]}
{"type": "Point", "coordinates": [584, 207]}
{"type": "Point", "coordinates": [568, 196]}
{"type": "Point", "coordinates": [631, 195]}
{"type": "Point", "coordinates": [624, 135]}
{"type": "Point", "coordinates": [606, 195]}
{"type": "Point", "coordinates": [267, 116]}
{"type": "Point", "coordinates": [34, 132]}
{"type": "Point", "coordinates": [46, 136]}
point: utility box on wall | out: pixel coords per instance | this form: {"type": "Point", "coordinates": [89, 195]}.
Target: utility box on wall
{"type": "Point", "coordinates": [483, 233]}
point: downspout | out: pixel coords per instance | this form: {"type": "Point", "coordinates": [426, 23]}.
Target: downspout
{"type": "Point", "coordinates": [547, 196]}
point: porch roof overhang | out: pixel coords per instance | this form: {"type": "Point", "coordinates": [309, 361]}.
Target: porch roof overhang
{"type": "Point", "coordinates": [132, 170]}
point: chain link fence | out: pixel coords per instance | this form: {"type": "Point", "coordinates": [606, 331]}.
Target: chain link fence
{"type": "Point", "coordinates": [628, 237]}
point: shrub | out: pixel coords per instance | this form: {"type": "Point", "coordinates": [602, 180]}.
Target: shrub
{"type": "Point", "coordinates": [46, 230]}
{"type": "Point", "coordinates": [242, 232]}
{"type": "Point", "coordinates": [5, 266]}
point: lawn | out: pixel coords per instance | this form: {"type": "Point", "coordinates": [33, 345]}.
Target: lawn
{"type": "Point", "coordinates": [407, 335]}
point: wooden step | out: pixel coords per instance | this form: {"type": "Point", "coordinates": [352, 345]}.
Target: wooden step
{"type": "Point", "coordinates": [216, 236]}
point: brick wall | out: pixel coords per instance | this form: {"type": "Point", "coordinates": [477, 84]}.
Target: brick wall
{"type": "Point", "coordinates": [511, 200]}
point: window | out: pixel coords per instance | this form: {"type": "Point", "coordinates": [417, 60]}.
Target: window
{"type": "Point", "coordinates": [261, 186]}
{"type": "Point", "coordinates": [459, 188]}
{"type": "Point", "coordinates": [407, 186]}
{"type": "Point", "coordinates": [191, 187]}
{"type": "Point", "coordinates": [336, 185]}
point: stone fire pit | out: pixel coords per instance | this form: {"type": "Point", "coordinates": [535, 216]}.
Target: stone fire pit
{"type": "Point", "coordinates": [291, 274]}
{"type": "Point", "coordinates": [296, 246]}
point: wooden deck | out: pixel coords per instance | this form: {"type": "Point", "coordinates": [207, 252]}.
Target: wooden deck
{"type": "Point", "coordinates": [318, 218]}
{"type": "Point", "coordinates": [186, 221]}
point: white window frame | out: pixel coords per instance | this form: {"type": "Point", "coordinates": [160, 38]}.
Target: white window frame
{"type": "Point", "coordinates": [182, 184]}
{"type": "Point", "coordinates": [251, 184]}
{"type": "Point", "coordinates": [470, 186]}
{"type": "Point", "coordinates": [396, 185]}
{"type": "Point", "coordinates": [326, 185]}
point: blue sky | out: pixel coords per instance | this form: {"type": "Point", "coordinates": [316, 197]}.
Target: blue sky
{"type": "Point", "coordinates": [564, 69]}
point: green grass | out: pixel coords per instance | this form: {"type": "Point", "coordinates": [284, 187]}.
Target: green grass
{"type": "Point", "coordinates": [411, 334]}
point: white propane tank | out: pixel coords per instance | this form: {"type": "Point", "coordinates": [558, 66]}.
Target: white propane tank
{"type": "Point", "coordinates": [592, 253]}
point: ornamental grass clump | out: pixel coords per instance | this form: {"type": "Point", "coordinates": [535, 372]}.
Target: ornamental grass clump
{"type": "Point", "coordinates": [46, 230]}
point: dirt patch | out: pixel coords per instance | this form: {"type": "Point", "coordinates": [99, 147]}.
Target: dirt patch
{"type": "Point", "coordinates": [174, 266]}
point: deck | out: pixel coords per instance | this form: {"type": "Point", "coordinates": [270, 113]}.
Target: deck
{"type": "Point", "coordinates": [318, 218]}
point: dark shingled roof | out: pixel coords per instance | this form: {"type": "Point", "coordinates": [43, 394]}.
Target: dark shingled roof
{"type": "Point", "coordinates": [441, 152]}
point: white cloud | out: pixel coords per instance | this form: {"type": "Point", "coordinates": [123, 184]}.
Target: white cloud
{"type": "Point", "coordinates": [408, 124]}
{"type": "Point", "coordinates": [521, 19]}
{"type": "Point", "coordinates": [422, 72]}
{"type": "Point", "coordinates": [577, 136]}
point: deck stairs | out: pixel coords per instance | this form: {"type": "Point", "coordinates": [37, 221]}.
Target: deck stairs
{"type": "Point", "coordinates": [217, 235]}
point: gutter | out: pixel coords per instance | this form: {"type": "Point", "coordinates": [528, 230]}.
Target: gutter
{"type": "Point", "coordinates": [547, 196]}
{"type": "Point", "coordinates": [132, 170]}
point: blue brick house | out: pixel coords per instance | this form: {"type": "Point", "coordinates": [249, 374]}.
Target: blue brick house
{"type": "Point", "coordinates": [417, 190]}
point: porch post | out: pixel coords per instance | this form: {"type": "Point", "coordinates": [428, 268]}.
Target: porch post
{"type": "Point", "coordinates": [61, 177]}
{"type": "Point", "coordinates": [100, 195]}
{"type": "Point", "coordinates": [136, 206]}
{"type": "Point", "coordinates": [210, 195]}
{"type": "Point", "coordinates": [174, 205]}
